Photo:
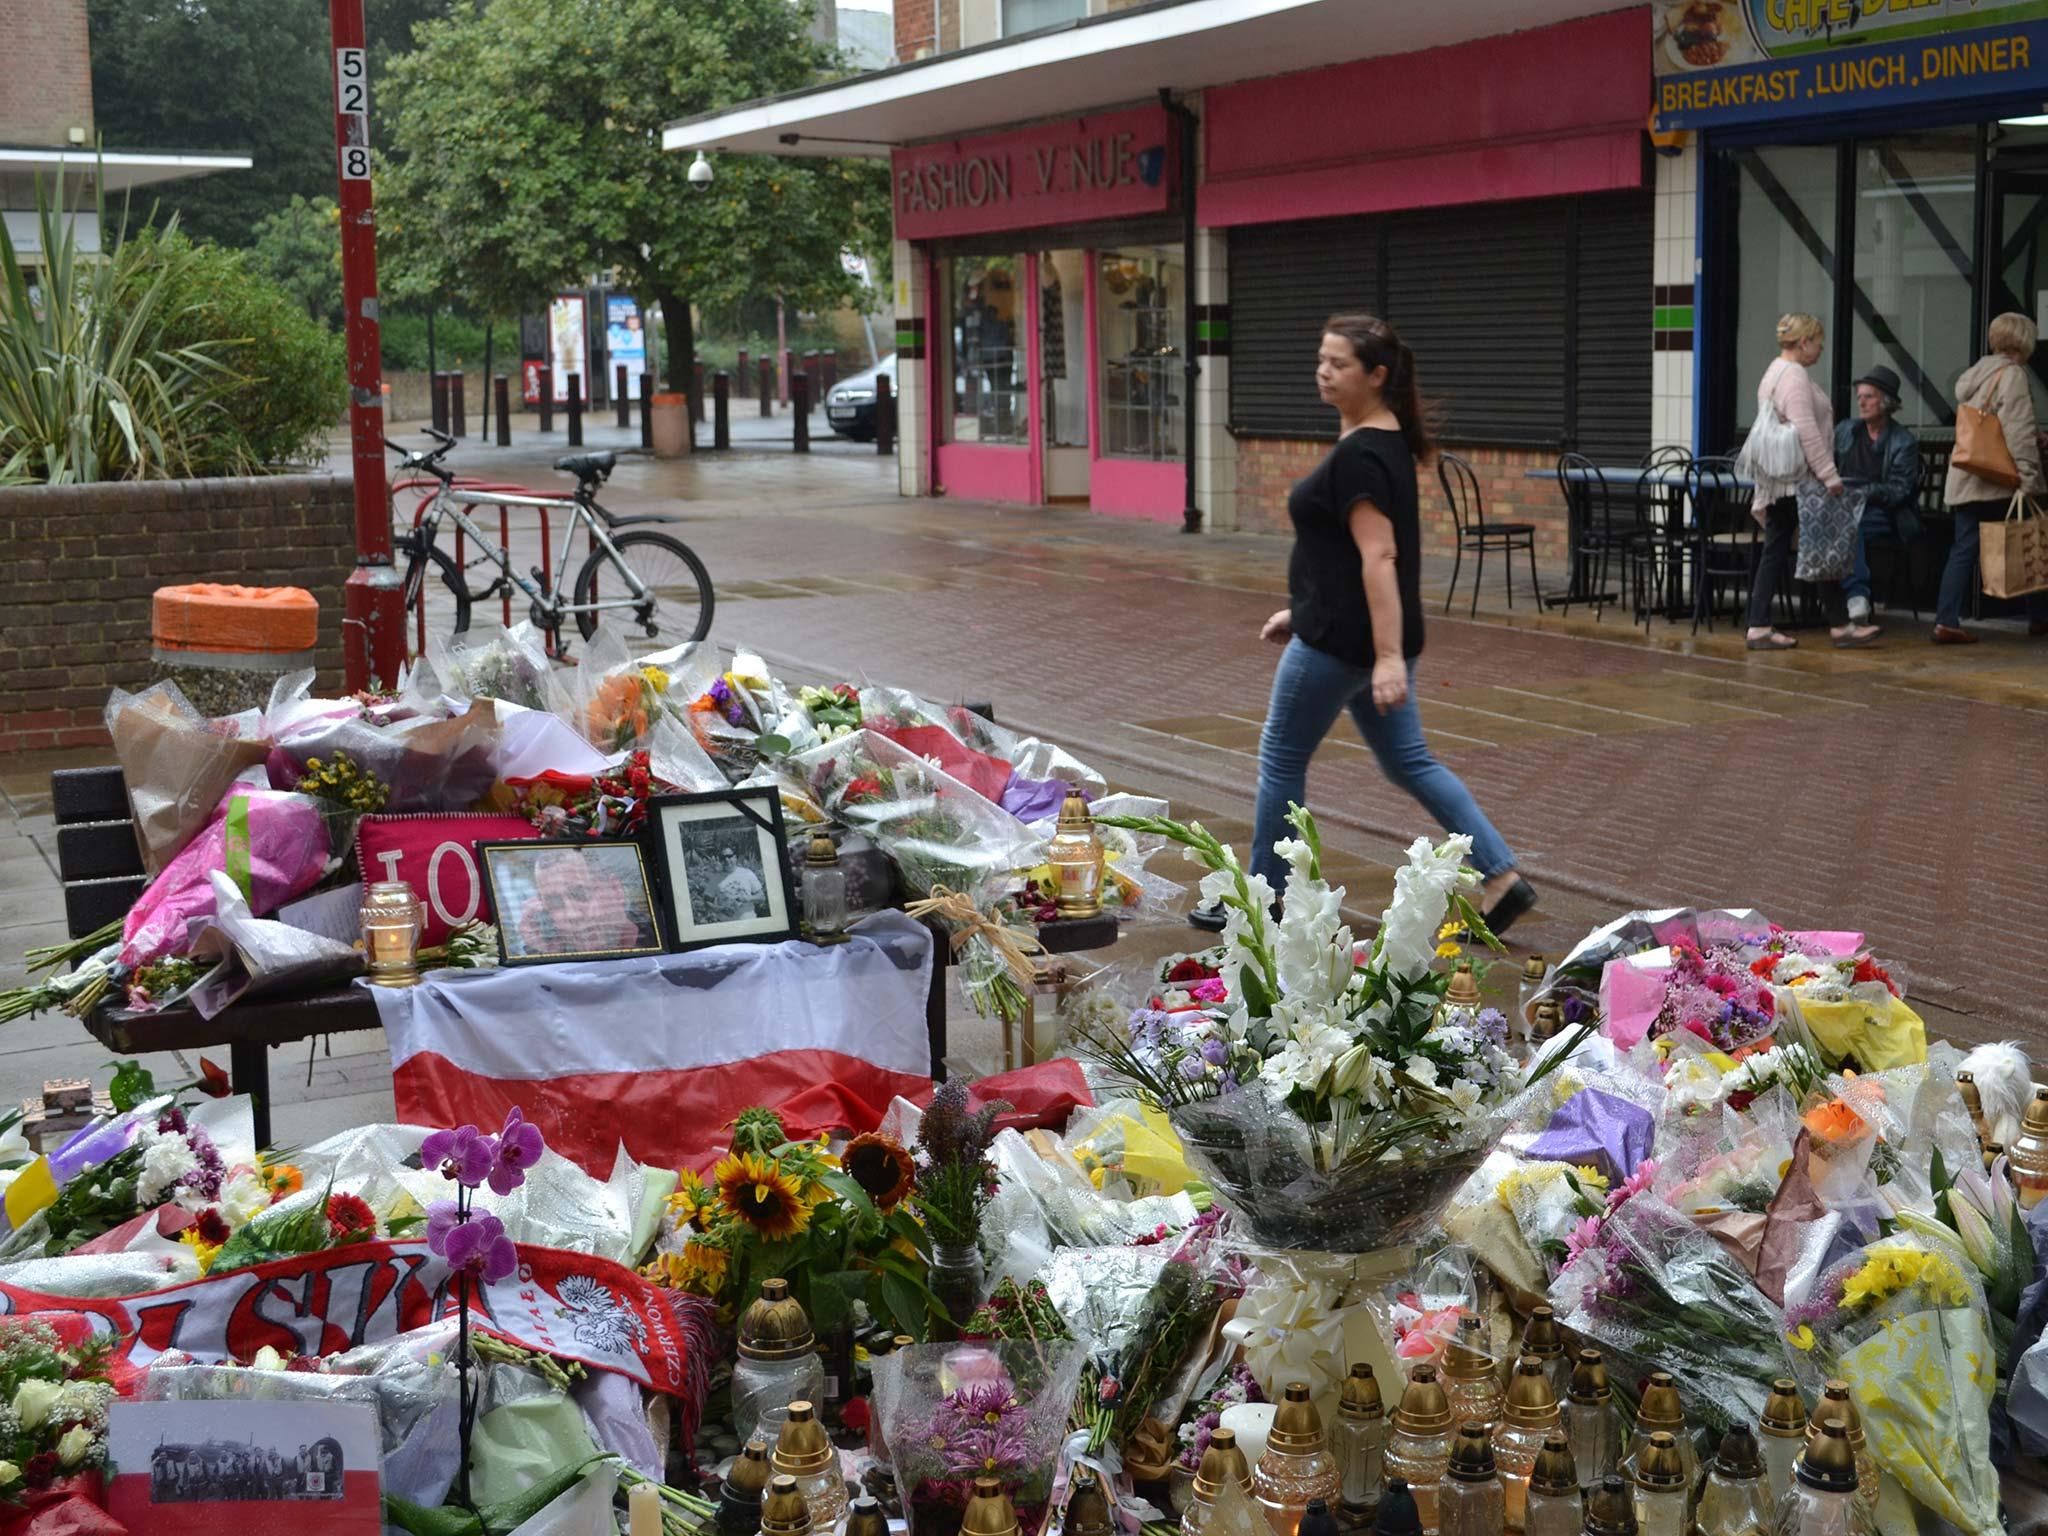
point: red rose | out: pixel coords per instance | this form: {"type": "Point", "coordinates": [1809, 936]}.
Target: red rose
{"type": "Point", "coordinates": [1868, 969]}
{"type": "Point", "coordinates": [41, 1470]}
{"type": "Point", "coordinates": [1191, 969]}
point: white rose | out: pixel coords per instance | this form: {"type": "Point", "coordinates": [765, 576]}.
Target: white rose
{"type": "Point", "coordinates": [267, 1359]}
{"type": "Point", "coordinates": [34, 1399]}
{"type": "Point", "coordinates": [9, 1473]}
{"type": "Point", "coordinates": [75, 1446]}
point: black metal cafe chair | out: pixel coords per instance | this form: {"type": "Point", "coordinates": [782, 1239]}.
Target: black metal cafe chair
{"type": "Point", "coordinates": [1726, 541]}
{"type": "Point", "coordinates": [1468, 516]}
{"type": "Point", "coordinates": [1603, 527]}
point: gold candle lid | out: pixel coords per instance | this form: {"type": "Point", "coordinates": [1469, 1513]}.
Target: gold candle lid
{"type": "Point", "coordinates": [750, 1472]}
{"type": "Point", "coordinates": [1074, 810]}
{"type": "Point", "coordinates": [802, 1450]}
{"type": "Point", "coordinates": [1549, 1019]}
{"type": "Point", "coordinates": [1555, 1471]}
{"type": "Point", "coordinates": [864, 1517]}
{"type": "Point", "coordinates": [775, 1326]}
{"type": "Point", "coordinates": [1466, 1358]}
{"type": "Point", "coordinates": [2036, 1117]}
{"type": "Point", "coordinates": [822, 850]}
{"type": "Point", "coordinates": [1087, 1510]}
{"type": "Point", "coordinates": [1425, 1411]}
{"type": "Point", "coordinates": [1472, 1454]}
{"type": "Point", "coordinates": [1359, 1397]}
{"type": "Point", "coordinates": [1784, 1411]}
{"type": "Point", "coordinates": [1589, 1379]}
{"type": "Point", "coordinates": [783, 1511]}
{"type": "Point", "coordinates": [1464, 988]}
{"type": "Point", "coordinates": [1611, 1511]}
{"type": "Point", "coordinates": [1966, 1085]}
{"type": "Point", "coordinates": [901, 1342]}
{"type": "Point", "coordinates": [1835, 1403]}
{"type": "Point", "coordinates": [1532, 968]}
{"type": "Point", "coordinates": [1542, 1337]}
{"type": "Point", "coordinates": [1739, 1456]}
{"type": "Point", "coordinates": [1661, 1408]}
{"type": "Point", "coordinates": [989, 1512]}
{"type": "Point", "coordinates": [1829, 1461]}
{"type": "Point", "coordinates": [1660, 1467]}
{"type": "Point", "coordinates": [1297, 1427]}
{"type": "Point", "coordinates": [1223, 1461]}
{"type": "Point", "coordinates": [1531, 1403]}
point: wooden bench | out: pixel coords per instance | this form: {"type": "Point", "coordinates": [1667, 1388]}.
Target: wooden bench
{"type": "Point", "coordinates": [99, 860]}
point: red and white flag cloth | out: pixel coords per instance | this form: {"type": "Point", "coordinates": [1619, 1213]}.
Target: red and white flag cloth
{"type": "Point", "coordinates": [663, 1052]}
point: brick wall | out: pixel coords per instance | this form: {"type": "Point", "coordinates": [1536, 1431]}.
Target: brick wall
{"type": "Point", "coordinates": [46, 79]}
{"type": "Point", "coordinates": [913, 28]}
{"type": "Point", "coordinates": [83, 561]}
{"type": "Point", "coordinates": [1267, 468]}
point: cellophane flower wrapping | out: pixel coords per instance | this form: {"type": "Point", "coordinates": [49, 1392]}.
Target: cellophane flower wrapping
{"type": "Point", "coordinates": [938, 830]}
{"type": "Point", "coordinates": [488, 661]}
{"type": "Point", "coordinates": [955, 1412]}
{"type": "Point", "coordinates": [426, 758]}
{"type": "Point", "coordinates": [1254, 1152]}
{"type": "Point", "coordinates": [1045, 1201]}
{"type": "Point", "coordinates": [177, 763]}
{"type": "Point", "coordinates": [1904, 1323]}
{"type": "Point", "coordinates": [1139, 1309]}
{"type": "Point", "coordinates": [1656, 1293]}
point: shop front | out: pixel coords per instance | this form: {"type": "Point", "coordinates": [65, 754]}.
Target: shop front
{"type": "Point", "coordinates": [1053, 339]}
{"type": "Point", "coordinates": [1886, 172]}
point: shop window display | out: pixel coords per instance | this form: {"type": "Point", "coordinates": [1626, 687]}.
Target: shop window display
{"type": "Point", "coordinates": [988, 358]}
{"type": "Point", "coordinates": [1141, 339]}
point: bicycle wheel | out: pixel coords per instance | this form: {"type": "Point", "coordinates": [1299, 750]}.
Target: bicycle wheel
{"type": "Point", "coordinates": [451, 578]}
{"type": "Point", "coordinates": [677, 583]}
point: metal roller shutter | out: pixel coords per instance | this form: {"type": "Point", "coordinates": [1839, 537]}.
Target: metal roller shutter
{"type": "Point", "coordinates": [1285, 281]}
{"type": "Point", "coordinates": [1479, 295]}
{"type": "Point", "coordinates": [1614, 326]}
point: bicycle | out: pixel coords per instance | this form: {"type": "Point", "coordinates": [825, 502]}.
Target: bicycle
{"type": "Point", "coordinates": [664, 585]}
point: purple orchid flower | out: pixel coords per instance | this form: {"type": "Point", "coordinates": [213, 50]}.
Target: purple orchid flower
{"type": "Point", "coordinates": [464, 1154]}
{"type": "Point", "coordinates": [443, 1217]}
{"type": "Point", "coordinates": [479, 1248]}
{"type": "Point", "coordinates": [519, 1148]}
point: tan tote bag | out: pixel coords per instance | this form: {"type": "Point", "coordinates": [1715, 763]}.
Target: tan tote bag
{"type": "Point", "coordinates": [1980, 443]}
{"type": "Point", "coordinates": [2012, 556]}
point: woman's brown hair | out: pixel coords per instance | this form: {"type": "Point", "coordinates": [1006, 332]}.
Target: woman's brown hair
{"type": "Point", "coordinates": [1378, 345]}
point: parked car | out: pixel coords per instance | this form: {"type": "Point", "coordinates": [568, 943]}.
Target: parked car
{"type": "Point", "coordinates": [850, 405]}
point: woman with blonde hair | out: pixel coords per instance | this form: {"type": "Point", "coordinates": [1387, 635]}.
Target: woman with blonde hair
{"type": "Point", "coordinates": [1996, 383]}
{"type": "Point", "coordinates": [1788, 397]}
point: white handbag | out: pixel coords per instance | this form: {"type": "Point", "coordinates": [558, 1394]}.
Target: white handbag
{"type": "Point", "coordinates": [1771, 453]}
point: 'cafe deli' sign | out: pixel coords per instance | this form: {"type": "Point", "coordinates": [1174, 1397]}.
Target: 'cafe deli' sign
{"type": "Point", "coordinates": [1108, 166]}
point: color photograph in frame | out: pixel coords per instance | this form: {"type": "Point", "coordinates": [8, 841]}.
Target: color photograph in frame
{"type": "Point", "coordinates": [570, 900]}
{"type": "Point", "coordinates": [725, 868]}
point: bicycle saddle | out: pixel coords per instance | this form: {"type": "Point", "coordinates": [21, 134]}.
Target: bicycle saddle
{"type": "Point", "coordinates": [588, 466]}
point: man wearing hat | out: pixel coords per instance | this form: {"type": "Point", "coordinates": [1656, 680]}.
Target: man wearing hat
{"type": "Point", "coordinates": [1877, 453]}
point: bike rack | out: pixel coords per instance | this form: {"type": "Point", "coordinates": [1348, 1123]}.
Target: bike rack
{"type": "Point", "coordinates": [429, 487]}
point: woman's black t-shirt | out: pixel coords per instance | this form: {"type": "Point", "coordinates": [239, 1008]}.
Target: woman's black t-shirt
{"type": "Point", "coordinates": [1324, 574]}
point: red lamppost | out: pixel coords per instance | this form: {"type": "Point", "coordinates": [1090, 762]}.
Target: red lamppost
{"type": "Point", "coordinates": [373, 610]}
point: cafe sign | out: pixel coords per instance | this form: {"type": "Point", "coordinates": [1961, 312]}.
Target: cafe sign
{"type": "Point", "coordinates": [1110, 165]}
{"type": "Point", "coordinates": [1721, 62]}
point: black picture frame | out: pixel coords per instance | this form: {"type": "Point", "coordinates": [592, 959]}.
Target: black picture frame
{"type": "Point", "coordinates": [748, 824]}
{"type": "Point", "coordinates": [513, 879]}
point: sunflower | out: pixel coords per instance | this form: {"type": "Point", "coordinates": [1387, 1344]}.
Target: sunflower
{"type": "Point", "coordinates": [756, 1190]}
{"type": "Point", "coordinates": [879, 1165]}
{"type": "Point", "coordinates": [692, 1203]}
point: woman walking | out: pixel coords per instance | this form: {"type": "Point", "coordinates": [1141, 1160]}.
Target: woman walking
{"type": "Point", "coordinates": [1354, 627]}
{"type": "Point", "coordinates": [1997, 383]}
{"type": "Point", "coordinates": [1788, 394]}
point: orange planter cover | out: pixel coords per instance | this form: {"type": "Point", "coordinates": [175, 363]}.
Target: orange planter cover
{"type": "Point", "coordinates": [213, 616]}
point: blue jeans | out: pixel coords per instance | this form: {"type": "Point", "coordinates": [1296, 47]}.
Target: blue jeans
{"type": "Point", "coordinates": [1877, 523]}
{"type": "Point", "coordinates": [1310, 689]}
{"type": "Point", "coordinates": [1959, 577]}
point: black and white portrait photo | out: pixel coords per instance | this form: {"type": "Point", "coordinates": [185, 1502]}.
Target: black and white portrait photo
{"type": "Point", "coordinates": [725, 867]}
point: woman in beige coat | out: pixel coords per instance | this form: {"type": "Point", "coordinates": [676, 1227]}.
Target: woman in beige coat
{"type": "Point", "coordinates": [1996, 383]}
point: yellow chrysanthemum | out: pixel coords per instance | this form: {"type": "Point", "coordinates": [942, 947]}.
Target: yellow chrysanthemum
{"type": "Point", "coordinates": [1801, 1337]}
{"type": "Point", "coordinates": [656, 678]}
{"type": "Point", "coordinates": [1590, 1179]}
{"type": "Point", "coordinates": [1451, 929]}
{"type": "Point", "coordinates": [756, 1190]}
{"type": "Point", "coordinates": [1449, 951]}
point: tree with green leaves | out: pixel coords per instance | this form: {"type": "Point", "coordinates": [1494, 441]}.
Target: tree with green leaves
{"type": "Point", "coordinates": [527, 139]}
{"type": "Point", "coordinates": [299, 249]}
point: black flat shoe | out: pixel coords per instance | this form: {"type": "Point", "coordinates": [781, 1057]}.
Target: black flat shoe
{"type": "Point", "coordinates": [1511, 908]}
{"type": "Point", "coordinates": [1208, 917]}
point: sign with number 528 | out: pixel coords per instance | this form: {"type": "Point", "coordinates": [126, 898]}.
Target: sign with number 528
{"type": "Point", "coordinates": [352, 102]}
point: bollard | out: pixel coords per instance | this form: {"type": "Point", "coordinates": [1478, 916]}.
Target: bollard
{"type": "Point", "coordinates": [457, 411]}
{"type": "Point", "coordinates": [575, 391]}
{"type": "Point", "coordinates": [721, 409]}
{"type": "Point", "coordinates": [504, 402]}
{"type": "Point", "coordinates": [885, 416]}
{"type": "Point", "coordinates": [438, 387]}
{"type": "Point", "coordinates": [800, 409]}
{"type": "Point", "coordinates": [697, 393]}
{"type": "Point", "coordinates": [546, 376]}
{"type": "Point", "coordinates": [646, 400]}
{"type": "Point", "coordinates": [622, 392]}
{"type": "Point", "coordinates": [740, 380]}
{"type": "Point", "coordinates": [788, 373]}
{"type": "Point", "coordinates": [767, 388]}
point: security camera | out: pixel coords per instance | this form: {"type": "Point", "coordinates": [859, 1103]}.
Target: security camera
{"type": "Point", "coordinates": [700, 172]}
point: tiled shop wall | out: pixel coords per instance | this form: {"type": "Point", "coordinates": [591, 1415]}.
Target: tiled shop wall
{"type": "Point", "coordinates": [84, 561]}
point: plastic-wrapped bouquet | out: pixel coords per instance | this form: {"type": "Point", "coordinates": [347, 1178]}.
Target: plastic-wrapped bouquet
{"type": "Point", "coordinates": [1331, 1097]}
{"type": "Point", "coordinates": [1238, 1385]}
{"type": "Point", "coordinates": [54, 1394]}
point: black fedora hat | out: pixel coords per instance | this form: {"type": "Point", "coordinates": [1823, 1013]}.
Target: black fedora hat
{"type": "Point", "coordinates": [1884, 381]}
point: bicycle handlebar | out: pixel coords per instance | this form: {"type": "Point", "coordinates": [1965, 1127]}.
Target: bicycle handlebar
{"type": "Point", "coordinates": [430, 461]}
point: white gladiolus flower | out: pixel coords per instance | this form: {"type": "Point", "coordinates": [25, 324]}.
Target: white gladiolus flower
{"type": "Point", "coordinates": [1422, 894]}
{"type": "Point", "coordinates": [1312, 950]}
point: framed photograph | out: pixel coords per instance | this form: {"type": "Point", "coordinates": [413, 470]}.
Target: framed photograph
{"type": "Point", "coordinates": [184, 1468]}
{"type": "Point", "coordinates": [725, 868]}
{"type": "Point", "coordinates": [570, 900]}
